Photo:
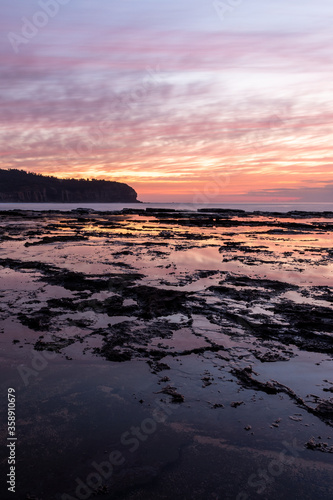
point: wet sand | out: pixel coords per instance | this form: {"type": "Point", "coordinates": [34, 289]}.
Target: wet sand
{"type": "Point", "coordinates": [198, 345]}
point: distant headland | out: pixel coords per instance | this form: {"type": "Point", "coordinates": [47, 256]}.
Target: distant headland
{"type": "Point", "coordinates": [23, 187]}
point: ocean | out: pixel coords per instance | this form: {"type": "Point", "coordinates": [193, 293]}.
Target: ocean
{"type": "Point", "coordinates": [101, 207]}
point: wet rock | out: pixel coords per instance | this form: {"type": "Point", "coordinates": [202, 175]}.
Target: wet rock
{"type": "Point", "coordinates": [157, 367]}
{"type": "Point", "coordinates": [274, 285]}
{"type": "Point", "coordinates": [38, 320]}
{"type": "Point", "coordinates": [307, 319]}
{"type": "Point", "coordinates": [56, 239]}
{"type": "Point", "coordinates": [272, 357]}
{"type": "Point", "coordinates": [55, 345]}
{"type": "Point", "coordinates": [156, 302]}
{"type": "Point", "coordinates": [234, 404]}
{"type": "Point", "coordinates": [207, 380]}
{"type": "Point", "coordinates": [325, 408]}
{"type": "Point", "coordinates": [323, 447]}
{"type": "Point", "coordinates": [75, 281]}
{"type": "Point", "coordinates": [247, 295]}
{"type": "Point", "coordinates": [172, 391]}
{"type": "Point", "coordinates": [245, 376]}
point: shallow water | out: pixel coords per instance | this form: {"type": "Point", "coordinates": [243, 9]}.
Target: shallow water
{"type": "Point", "coordinates": [105, 325]}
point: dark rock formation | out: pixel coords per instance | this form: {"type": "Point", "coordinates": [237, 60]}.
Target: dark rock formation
{"type": "Point", "coordinates": [20, 186]}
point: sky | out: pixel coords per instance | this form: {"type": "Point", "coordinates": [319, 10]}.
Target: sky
{"type": "Point", "coordinates": [185, 100]}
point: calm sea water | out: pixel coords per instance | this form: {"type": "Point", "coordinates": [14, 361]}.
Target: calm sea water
{"type": "Point", "coordinates": [249, 207]}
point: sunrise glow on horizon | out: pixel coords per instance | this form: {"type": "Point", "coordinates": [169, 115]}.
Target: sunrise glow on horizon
{"type": "Point", "coordinates": [193, 101]}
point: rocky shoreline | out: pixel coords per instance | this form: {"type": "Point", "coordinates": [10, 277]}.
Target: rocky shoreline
{"type": "Point", "coordinates": [247, 295]}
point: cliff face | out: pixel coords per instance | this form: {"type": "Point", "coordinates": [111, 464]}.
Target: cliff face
{"type": "Point", "coordinates": [20, 186]}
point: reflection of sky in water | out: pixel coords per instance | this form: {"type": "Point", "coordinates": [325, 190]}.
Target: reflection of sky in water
{"type": "Point", "coordinates": [88, 402]}
{"type": "Point", "coordinates": [151, 245]}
